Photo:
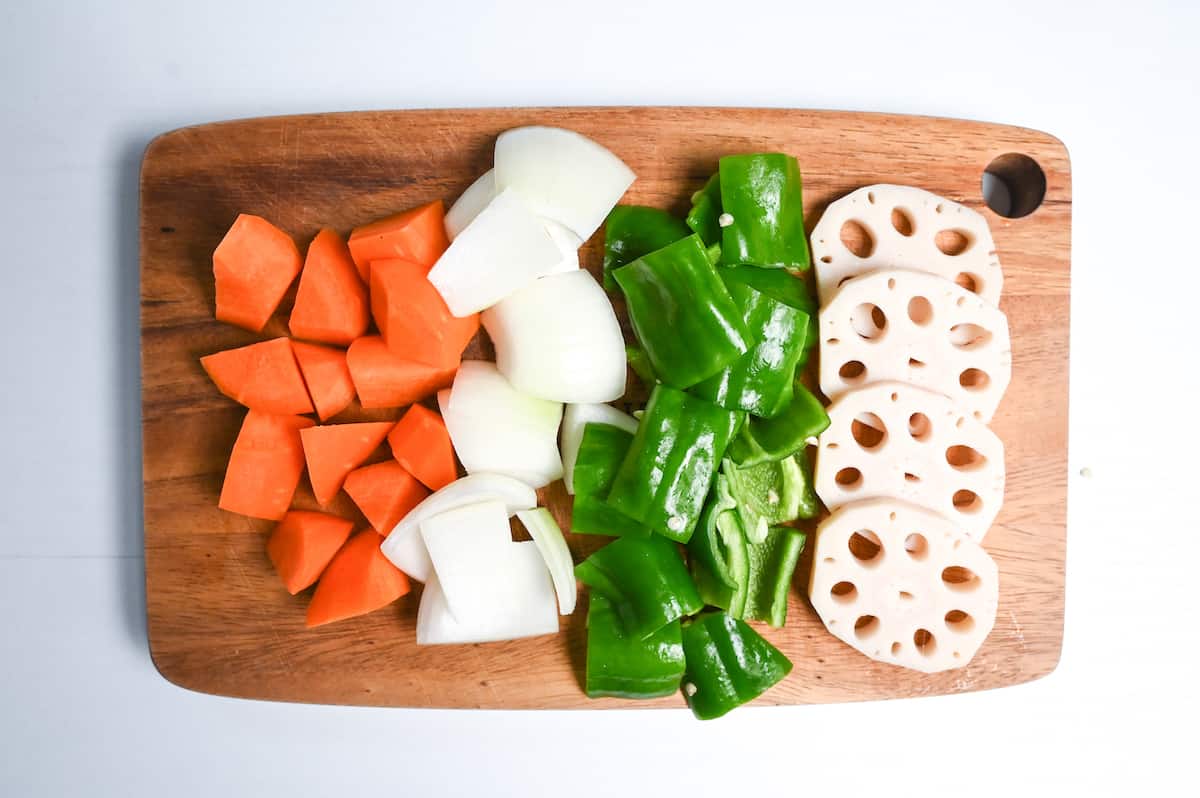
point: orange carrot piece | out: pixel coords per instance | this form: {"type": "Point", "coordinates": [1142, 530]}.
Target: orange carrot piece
{"type": "Point", "coordinates": [384, 380]}
{"type": "Point", "coordinates": [385, 492]}
{"type": "Point", "coordinates": [334, 450]}
{"type": "Point", "coordinates": [418, 234]}
{"type": "Point", "coordinates": [265, 466]}
{"type": "Point", "coordinates": [253, 266]}
{"type": "Point", "coordinates": [421, 443]}
{"type": "Point", "coordinates": [359, 580]}
{"type": "Point", "coordinates": [302, 545]}
{"type": "Point", "coordinates": [331, 302]}
{"type": "Point", "coordinates": [262, 376]}
{"type": "Point", "coordinates": [413, 317]}
{"type": "Point", "coordinates": [327, 377]}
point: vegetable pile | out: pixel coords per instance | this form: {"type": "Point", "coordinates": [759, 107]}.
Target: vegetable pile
{"type": "Point", "coordinates": [704, 488]}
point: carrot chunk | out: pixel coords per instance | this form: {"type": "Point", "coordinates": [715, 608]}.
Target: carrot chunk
{"type": "Point", "coordinates": [265, 466]}
{"type": "Point", "coordinates": [302, 545]}
{"type": "Point", "coordinates": [418, 234]}
{"type": "Point", "coordinates": [358, 580]}
{"type": "Point", "coordinates": [262, 376]}
{"type": "Point", "coordinates": [421, 443]}
{"type": "Point", "coordinates": [334, 450]}
{"type": "Point", "coordinates": [331, 301]}
{"type": "Point", "coordinates": [253, 266]}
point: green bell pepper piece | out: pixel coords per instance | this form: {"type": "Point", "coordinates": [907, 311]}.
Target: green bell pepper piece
{"type": "Point", "coordinates": [717, 554]}
{"type": "Point", "coordinates": [632, 231]}
{"type": "Point", "coordinates": [670, 466]}
{"type": "Point", "coordinates": [762, 192]}
{"type": "Point", "coordinates": [765, 439]}
{"type": "Point", "coordinates": [682, 314]}
{"type": "Point", "coordinates": [636, 356]}
{"type": "Point", "coordinates": [760, 381]}
{"type": "Point", "coordinates": [646, 581]}
{"type": "Point", "coordinates": [772, 565]}
{"type": "Point", "coordinates": [601, 452]}
{"type": "Point", "coordinates": [728, 664]}
{"type": "Point", "coordinates": [704, 216]}
{"type": "Point", "coordinates": [625, 667]}
{"type": "Point", "coordinates": [769, 493]}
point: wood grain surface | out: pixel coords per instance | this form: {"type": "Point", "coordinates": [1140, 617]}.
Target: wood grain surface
{"type": "Point", "coordinates": [219, 620]}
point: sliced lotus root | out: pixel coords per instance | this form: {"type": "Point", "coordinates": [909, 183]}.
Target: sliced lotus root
{"type": "Point", "coordinates": [901, 227]}
{"type": "Point", "coordinates": [917, 328]}
{"type": "Point", "coordinates": [894, 441]}
{"type": "Point", "coordinates": [902, 585]}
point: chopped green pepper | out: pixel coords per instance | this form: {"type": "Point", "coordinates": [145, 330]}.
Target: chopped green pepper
{"type": "Point", "coordinates": [641, 365]}
{"type": "Point", "coordinates": [728, 664]}
{"type": "Point", "coordinates": [601, 452]}
{"type": "Point", "coordinates": [669, 468]}
{"type": "Point", "coordinates": [632, 231]}
{"type": "Point", "coordinates": [704, 217]}
{"type": "Point", "coordinates": [760, 381]}
{"type": "Point", "coordinates": [646, 581]}
{"type": "Point", "coordinates": [768, 493]}
{"type": "Point", "coordinates": [764, 439]}
{"type": "Point", "coordinates": [772, 565]}
{"type": "Point", "coordinates": [717, 554]}
{"type": "Point", "coordinates": [763, 210]}
{"type": "Point", "coordinates": [682, 313]}
{"type": "Point", "coordinates": [625, 667]}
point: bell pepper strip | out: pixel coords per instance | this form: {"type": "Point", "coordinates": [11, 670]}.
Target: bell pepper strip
{"type": "Point", "coordinates": [669, 468]}
{"type": "Point", "coordinates": [717, 553]}
{"type": "Point", "coordinates": [772, 564]}
{"type": "Point", "coordinates": [760, 381]}
{"type": "Point", "coordinates": [645, 580]}
{"type": "Point", "coordinates": [632, 231]}
{"type": "Point", "coordinates": [601, 453]}
{"type": "Point", "coordinates": [762, 212]}
{"type": "Point", "coordinates": [704, 217]}
{"type": "Point", "coordinates": [728, 664]}
{"type": "Point", "coordinates": [623, 666]}
{"type": "Point", "coordinates": [765, 439]}
{"type": "Point", "coordinates": [641, 365]}
{"type": "Point", "coordinates": [682, 313]}
{"type": "Point", "coordinates": [766, 494]}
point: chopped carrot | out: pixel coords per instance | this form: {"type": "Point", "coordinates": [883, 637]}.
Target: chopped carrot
{"type": "Point", "coordinates": [421, 444]}
{"type": "Point", "coordinates": [413, 317]}
{"type": "Point", "coordinates": [253, 266]}
{"type": "Point", "coordinates": [359, 580]}
{"type": "Point", "coordinates": [265, 466]}
{"type": "Point", "coordinates": [262, 376]}
{"type": "Point", "coordinates": [334, 450]}
{"type": "Point", "coordinates": [418, 234]}
{"type": "Point", "coordinates": [385, 492]}
{"type": "Point", "coordinates": [327, 377]}
{"type": "Point", "coordinates": [384, 380]}
{"type": "Point", "coordinates": [331, 302]}
{"type": "Point", "coordinates": [302, 545]}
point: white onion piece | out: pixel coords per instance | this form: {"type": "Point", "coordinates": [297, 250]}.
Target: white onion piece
{"type": "Point", "coordinates": [472, 201]}
{"type": "Point", "coordinates": [553, 546]}
{"type": "Point", "coordinates": [564, 176]}
{"type": "Point", "coordinates": [558, 338]}
{"type": "Point", "coordinates": [568, 245]}
{"type": "Point", "coordinates": [527, 607]}
{"type": "Point", "coordinates": [575, 418]}
{"type": "Point", "coordinates": [404, 545]}
{"type": "Point", "coordinates": [499, 430]}
{"type": "Point", "coordinates": [464, 545]}
{"type": "Point", "coordinates": [504, 248]}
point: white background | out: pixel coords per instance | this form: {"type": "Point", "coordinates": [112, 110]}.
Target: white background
{"type": "Point", "coordinates": [84, 86]}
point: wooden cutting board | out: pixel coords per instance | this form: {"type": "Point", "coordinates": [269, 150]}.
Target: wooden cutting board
{"type": "Point", "coordinates": [219, 620]}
